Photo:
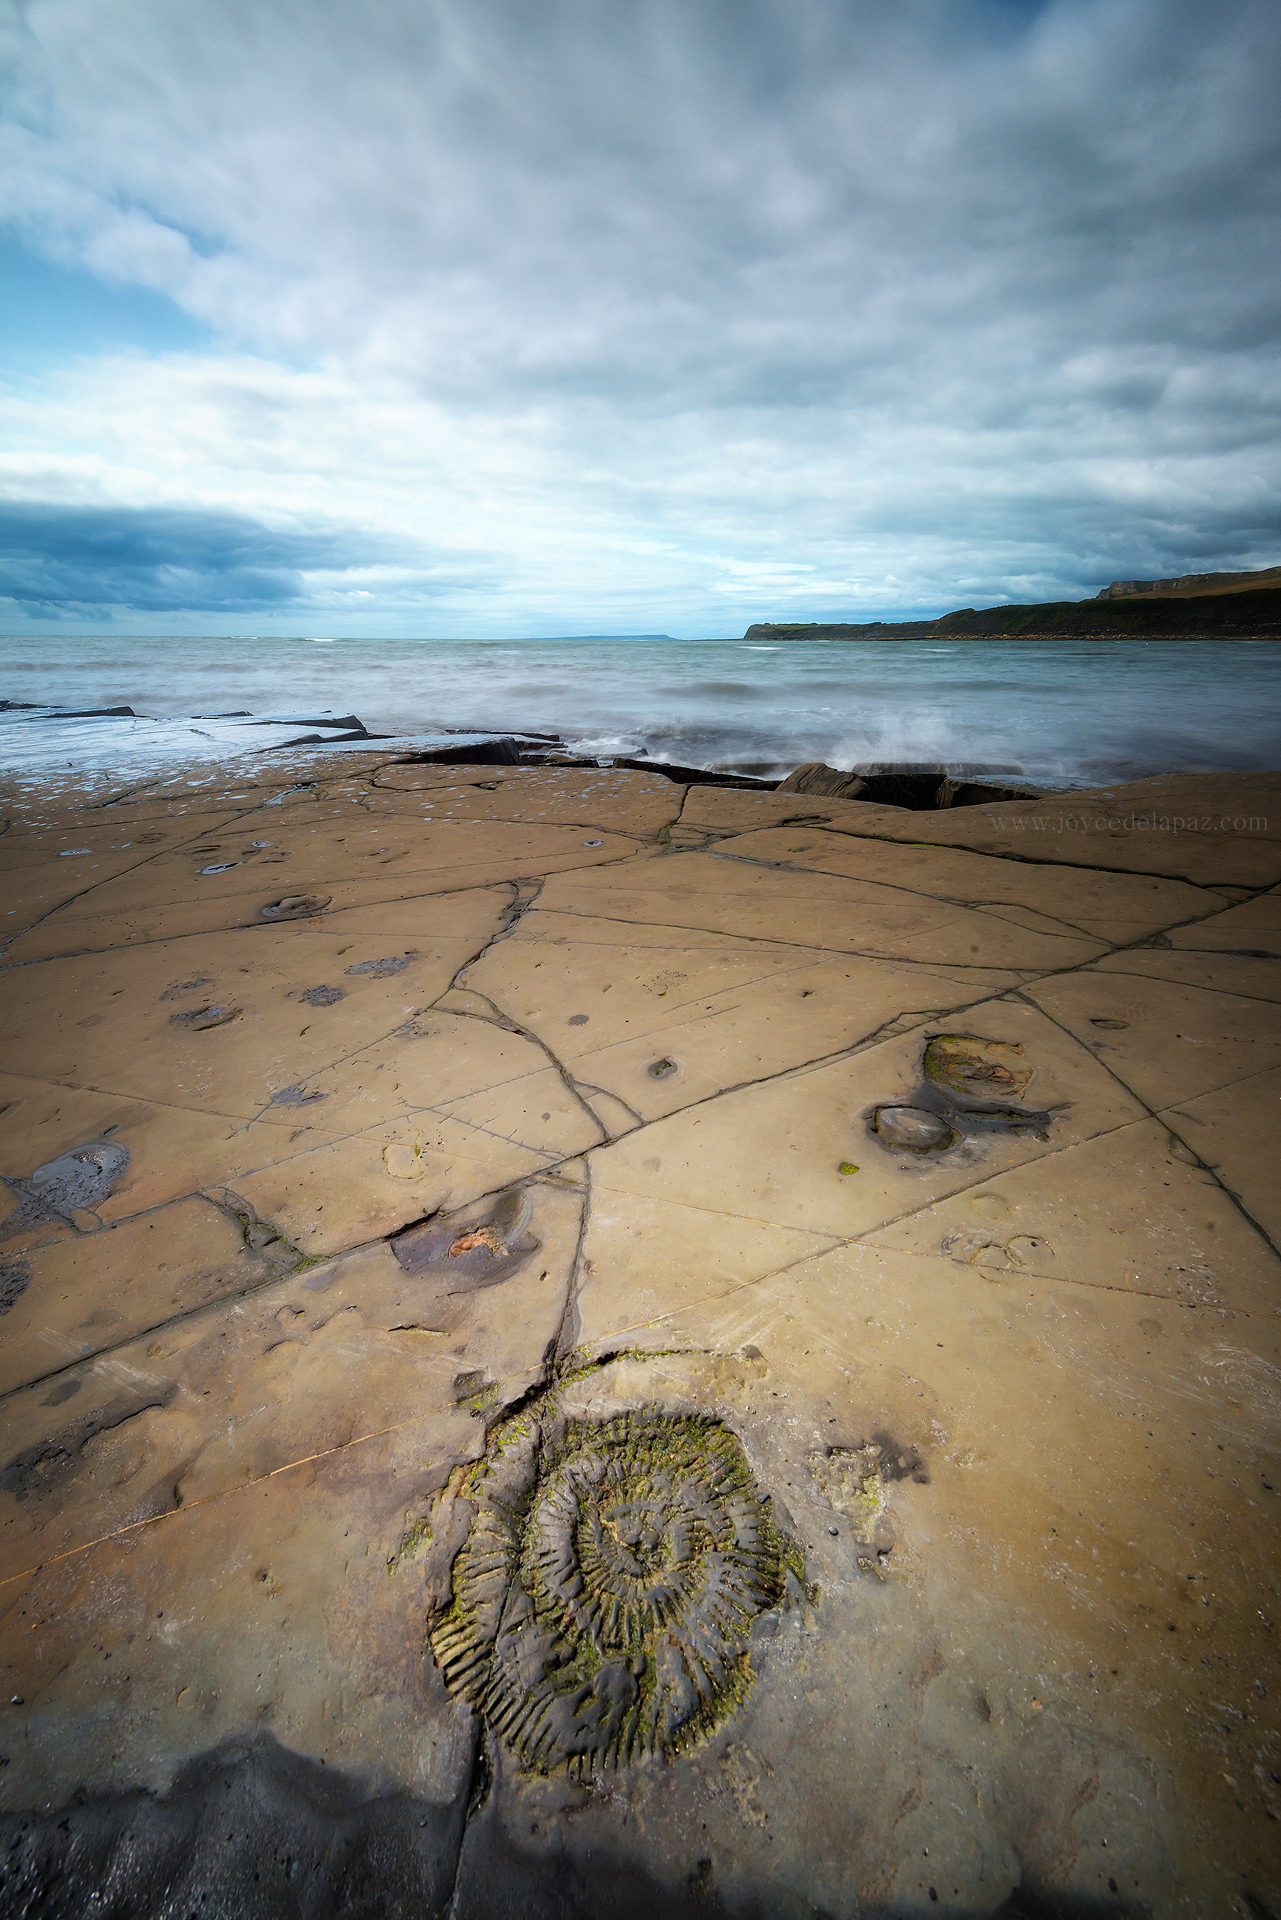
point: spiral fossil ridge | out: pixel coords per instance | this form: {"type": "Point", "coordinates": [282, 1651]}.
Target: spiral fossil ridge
{"type": "Point", "coordinates": [604, 1597]}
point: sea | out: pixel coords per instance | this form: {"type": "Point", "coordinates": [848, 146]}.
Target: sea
{"type": "Point", "coordinates": [1062, 713]}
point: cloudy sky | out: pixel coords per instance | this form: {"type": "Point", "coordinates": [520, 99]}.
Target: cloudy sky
{"type": "Point", "coordinates": [483, 316]}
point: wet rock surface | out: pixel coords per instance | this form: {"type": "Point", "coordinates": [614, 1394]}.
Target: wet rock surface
{"type": "Point", "coordinates": [729, 1366]}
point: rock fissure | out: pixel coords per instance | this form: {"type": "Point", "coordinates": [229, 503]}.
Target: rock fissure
{"type": "Point", "coordinates": [1159, 1115]}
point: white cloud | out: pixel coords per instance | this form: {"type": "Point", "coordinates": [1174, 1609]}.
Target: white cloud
{"type": "Point", "coordinates": [605, 307]}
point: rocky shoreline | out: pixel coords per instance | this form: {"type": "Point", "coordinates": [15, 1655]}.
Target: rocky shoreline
{"type": "Point", "coordinates": [607, 1340]}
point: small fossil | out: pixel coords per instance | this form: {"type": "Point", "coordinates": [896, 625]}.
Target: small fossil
{"type": "Point", "coordinates": [913, 1129]}
{"type": "Point", "coordinates": [295, 1096]}
{"type": "Point", "coordinates": [323, 996]}
{"type": "Point", "coordinates": [396, 963]}
{"type": "Point", "coordinates": [511, 1216]}
{"type": "Point", "coordinates": [186, 986]}
{"type": "Point", "coordinates": [295, 906]}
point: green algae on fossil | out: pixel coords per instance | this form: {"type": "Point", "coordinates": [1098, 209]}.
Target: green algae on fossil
{"type": "Point", "coordinates": [603, 1601]}
{"type": "Point", "coordinates": [977, 1069]}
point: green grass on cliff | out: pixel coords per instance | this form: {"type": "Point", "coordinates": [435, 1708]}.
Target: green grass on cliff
{"type": "Point", "coordinates": [1252, 615]}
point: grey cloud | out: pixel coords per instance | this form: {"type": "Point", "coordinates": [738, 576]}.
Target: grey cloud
{"type": "Point", "coordinates": [889, 253]}
{"type": "Point", "coordinates": [65, 559]}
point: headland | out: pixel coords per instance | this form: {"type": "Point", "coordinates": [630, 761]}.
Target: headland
{"type": "Point", "coordinates": [1232, 606]}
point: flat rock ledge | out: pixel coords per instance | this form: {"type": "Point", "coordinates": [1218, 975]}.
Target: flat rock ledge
{"type": "Point", "coordinates": [581, 1344]}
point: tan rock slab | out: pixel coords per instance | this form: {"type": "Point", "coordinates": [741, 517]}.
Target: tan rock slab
{"type": "Point", "coordinates": [1016, 1402]}
{"type": "Point", "coordinates": [1218, 829]}
{"type": "Point", "coordinates": [98, 1290]}
{"type": "Point", "coordinates": [630, 803]}
{"type": "Point", "coordinates": [729, 810]}
{"type": "Point", "coordinates": [435, 1060]}
{"type": "Point", "coordinates": [609, 1008]}
{"type": "Point", "coordinates": [775, 1151]}
{"type": "Point", "coordinates": [1112, 907]}
{"type": "Point", "coordinates": [1083, 1457]}
{"type": "Point", "coordinates": [48, 871]}
{"type": "Point", "coordinates": [645, 1259]}
{"type": "Point", "coordinates": [174, 898]}
{"type": "Point", "coordinates": [1241, 931]}
{"type": "Point", "coordinates": [1252, 979]}
{"type": "Point", "coordinates": [723, 894]}
{"type": "Point", "coordinates": [120, 1021]}
{"type": "Point", "coordinates": [1234, 1130]}
{"type": "Point", "coordinates": [342, 1193]}
{"type": "Point", "coordinates": [308, 1363]}
{"type": "Point", "coordinates": [686, 1048]}
{"type": "Point", "coordinates": [538, 1111]}
{"type": "Point", "coordinates": [173, 1150]}
{"type": "Point", "coordinates": [1124, 1212]}
{"type": "Point", "coordinates": [1166, 1041]}
{"type": "Point", "coordinates": [282, 1606]}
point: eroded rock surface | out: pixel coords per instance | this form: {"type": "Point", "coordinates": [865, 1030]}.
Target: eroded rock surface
{"type": "Point", "coordinates": [574, 1345]}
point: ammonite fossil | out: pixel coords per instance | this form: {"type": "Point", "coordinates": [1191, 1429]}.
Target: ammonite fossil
{"type": "Point", "coordinates": [603, 1600]}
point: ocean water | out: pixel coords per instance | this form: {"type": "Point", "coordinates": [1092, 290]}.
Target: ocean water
{"type": "Point", "coordinates": [1067, 713]}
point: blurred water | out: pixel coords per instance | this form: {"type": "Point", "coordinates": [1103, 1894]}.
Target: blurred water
{"type": "Point", "coordinates": [1065, 712]}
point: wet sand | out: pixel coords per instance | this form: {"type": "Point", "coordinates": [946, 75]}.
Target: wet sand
{"type": "Point", "coordinates": [576, 1345]}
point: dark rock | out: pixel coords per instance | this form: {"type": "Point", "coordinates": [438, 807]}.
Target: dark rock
{"type": "Point", "coordinates": [345, 720]}
{"type": "Point", "coordinates": [472, 753]}
{"type": "Point", "coordinates": [15, 1278]}
{"type": "Point", "coordinates": [249, 1830]}
{"type": "Point", "coordinates": [693, 776]}
{"type": "Point", "coordinates": [828, 782]}
{"type": "Point", "coordinates": [980, 793]}
{"type": "Point", "coordinates": [78, 1180]}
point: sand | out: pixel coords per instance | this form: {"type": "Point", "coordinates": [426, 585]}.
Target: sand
{"type": "Point", "coordinates": [573, 1345]}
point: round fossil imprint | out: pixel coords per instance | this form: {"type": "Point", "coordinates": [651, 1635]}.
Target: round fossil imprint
{"type": "Point", "coordinates": [977, 1069]}
{"type": "Point", "coordinates": [914, 1129]}
{"type": "Point", "coordinates": [603, 1599]}
{"type": "Point", "coordinates": [295, 906]}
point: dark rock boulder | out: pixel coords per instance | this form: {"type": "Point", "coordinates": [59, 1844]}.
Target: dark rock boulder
{"type": "Point", "coordinates": [829, 783]}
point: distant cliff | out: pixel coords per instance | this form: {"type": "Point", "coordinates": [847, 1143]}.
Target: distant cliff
{"type": "Point", "coordinates": [1234, 615]}
{"type": "Point", "coordinates": [1189, 584]}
